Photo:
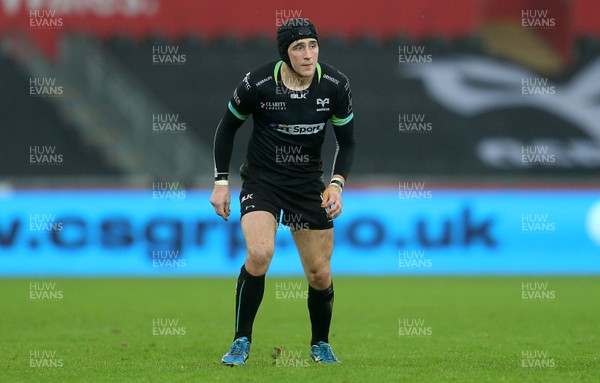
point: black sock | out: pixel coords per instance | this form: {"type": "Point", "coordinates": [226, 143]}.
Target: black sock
{"type": "Point", "coordinates": [320, 308]}
{"type": "Point", "coordinates": [248, 295]}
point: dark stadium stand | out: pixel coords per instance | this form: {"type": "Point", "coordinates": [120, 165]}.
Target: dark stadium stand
{"type": "Point", "coordinates": [586, 49]}
{"type": "Point", "coordinates": [34, 121]}
{"type": "Point", "coordinates": [199, 89]}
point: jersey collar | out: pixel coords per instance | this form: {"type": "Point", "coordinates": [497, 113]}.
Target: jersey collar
{"type": "Point", "coordinates": [278, 66]}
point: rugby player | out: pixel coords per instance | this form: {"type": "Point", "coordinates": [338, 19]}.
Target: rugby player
{"type": "Point", "coordinates": [290, 101]}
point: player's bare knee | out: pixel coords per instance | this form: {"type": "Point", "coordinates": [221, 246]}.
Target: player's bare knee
{"type": "Point", "coordinates": [320, 278]}
{"type": "Point", "coordinates": [258, 260]}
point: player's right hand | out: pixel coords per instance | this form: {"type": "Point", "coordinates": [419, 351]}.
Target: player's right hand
{"type": "Point", "coordinates": [220, 200]}
{"type": "Point", "coordinates": [332, 201]}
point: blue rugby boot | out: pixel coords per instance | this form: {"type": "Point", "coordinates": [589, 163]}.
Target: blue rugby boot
{"type": "Point", "coordinates": [238, 353]}
{"type": "Point", "coordinates": [322, 353]}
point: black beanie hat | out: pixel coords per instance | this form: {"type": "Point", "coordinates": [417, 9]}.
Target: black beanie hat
{"type": "Point", "coordinates": [292, 30]}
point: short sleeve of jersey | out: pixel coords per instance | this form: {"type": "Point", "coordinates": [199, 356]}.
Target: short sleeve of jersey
{"type": "Point", "coordinates": [342, 113]}
{"type": "Point", "coordinates": [242, 100]}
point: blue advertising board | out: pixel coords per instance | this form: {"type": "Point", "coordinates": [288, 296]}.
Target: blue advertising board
{"type": "Point", "coordinates": [381, 232]}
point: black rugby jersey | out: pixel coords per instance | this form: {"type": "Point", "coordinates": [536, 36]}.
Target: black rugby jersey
{"type": "Point", "coordinates": [289, 126]}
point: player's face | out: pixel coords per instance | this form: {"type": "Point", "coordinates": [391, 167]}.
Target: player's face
{"type": "Point", "coordinates": [304, 55]}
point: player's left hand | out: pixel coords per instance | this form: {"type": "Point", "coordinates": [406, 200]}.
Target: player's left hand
{"type": "Point", "coordinates": [332, 202]}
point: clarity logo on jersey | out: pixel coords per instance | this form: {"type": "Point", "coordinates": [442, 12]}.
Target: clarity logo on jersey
{"type": "Point", "coordinates": [273, 105]}
{"type": "Point", "coordinates": [298, 129]}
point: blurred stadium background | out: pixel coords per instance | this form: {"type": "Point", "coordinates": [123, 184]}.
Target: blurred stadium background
{"type": "Point", "coordinates": [478, 128]}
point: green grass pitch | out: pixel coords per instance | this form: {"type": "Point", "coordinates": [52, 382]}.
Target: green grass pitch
{"type": "Point", "coordinates": [405, 329]}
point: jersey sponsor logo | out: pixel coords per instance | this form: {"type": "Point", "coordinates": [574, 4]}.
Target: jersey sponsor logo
{"type": "Point", "coordinates": [349, 102]}
{"type": "Point", "coordinates": [332, 79]}
{"type": "Point", "coordinates": [322, 102]}
{"type": "Point", "coordinates": [246, 81]}
{"type": "Point", "coordinates": [298, 96]}
{"type": "Point", "coordinates": [246, 197]}
{"type": "Point", "coordinates": [273, 105]}
{"type": "Point", "coordinates": [236, 98]}
{"type": "Point", "coordinates": [298, 129]}
{"type": "Point", "coordinates": [263, 81]}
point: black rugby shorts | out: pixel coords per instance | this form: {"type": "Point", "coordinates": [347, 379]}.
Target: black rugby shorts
{"type": "Point", "coordinates": [299, 207]}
